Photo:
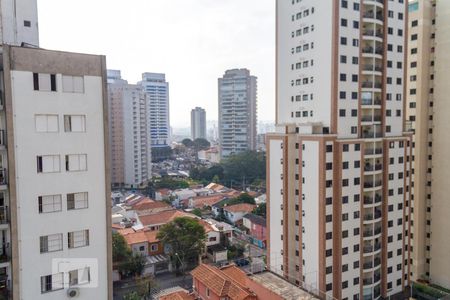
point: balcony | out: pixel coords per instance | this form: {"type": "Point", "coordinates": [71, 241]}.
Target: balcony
{"type": "Point", "coordinates": [372, 151]}
{"type": "Point", "coordinates": [369, 167]}
{"type": "Point", "coordinates": [370, 101]}
{"type": "Point", "coordinates": [372, 68]}
{"type": "Point", "coordinates": [370, 216]}
{"type": "Point", "coordinates": [372, 15]}
{"type": "Point", "coordinates": [369, 248]}
{"type": "Point", "coordinates": [370, 200]}
{"type": "Point", "coordinates": [371, 135]}
{"type": "Point", "coordinates": [372, 184]}
{"type": "Point", "coordinates": [3, 176]}
{"type": "Point", "coordinates": [370, 232]}
{"type": "Point", "coordinates": [2, 138]}
{"type": "Point", "coordinates": [4, 215]}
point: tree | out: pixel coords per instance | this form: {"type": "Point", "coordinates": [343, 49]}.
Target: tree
{"type": "Point", "coordinates": [185, 238]}
{"type": "Point", "coordinates": [144, 286]}
{"type": "Point", "coordinates": [201, 144]}
{"type": "Point", "coordinates": [197, 212]}
{"type": "Point", "coordinates": [169, 183]}
{"type": "Point", "coordinates": [242, 198]}
{"type": "Point", "coordinates": [132, 296]}
{"type": "Point", "coordinates": [188, 143]}
{"type": "Point", "coordinates": [244, 167]}
{"type": "Point", "coordinates": [215, 179]}
{"type": "Point", "coordinates": [120, 250]}
{"type": "Point", "coordinates": [260, 210]}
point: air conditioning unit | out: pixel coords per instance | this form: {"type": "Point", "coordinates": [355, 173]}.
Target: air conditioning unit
{"type": "Point", "coordinates": [72, 293]}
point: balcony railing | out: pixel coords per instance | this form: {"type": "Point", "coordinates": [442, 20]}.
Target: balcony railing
{"type": "Point", "coordinates": [371, 151]}
{"type": "Point", "coordinates": [371, 135]}
{"type": "Point", "coordinates": [372, 68]}
{"type": "Point", "coordinates": [3, 176]}
{"type": "Point", "coordinates": [370, 167]}
{"type": "Point", "coordinates": [4, 216]}
{"type": "Point", "coordinates": [2, 138]}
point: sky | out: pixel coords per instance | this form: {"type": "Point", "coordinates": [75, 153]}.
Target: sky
{"type": "Point", "coordinates": [192, 41]}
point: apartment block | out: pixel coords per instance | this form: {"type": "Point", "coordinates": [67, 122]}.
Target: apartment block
{"type": "Point", "coordinates": [427, 113]}
{"type": "Point", "coordinates": [237, 112]}
{"type": "Point", "coordinates": [129, 132]}
{"type": "Point", "coordinates": [339, 163]}
{"type": "Point", "coordinates": [54, 169]}
{"type": "Point", "coordinates": [156, 88]}
{"type": "Point", "coordinates": [54, 174]}
{"type": "Point", "coordinates": [198, 123]}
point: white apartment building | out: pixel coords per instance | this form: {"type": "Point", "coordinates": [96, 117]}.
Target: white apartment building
{"type": "Point", "coordinates": [129, 135]}
{"type": "Point", "coordinates": [55, 211]}
{"type": "Point", "coordinates": [339, 162]}
{"type": "Point", "coordinates": [237, 112]}
{"type": "Point", "coordinates": [198, 123]}
{"type": "Point", "coordinates": [157, 90]}
{"type": "Point", "coordinates": [427, 113]}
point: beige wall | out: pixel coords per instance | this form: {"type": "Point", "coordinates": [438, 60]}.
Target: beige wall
{"type": "Point", "coordinates": [440, 211]}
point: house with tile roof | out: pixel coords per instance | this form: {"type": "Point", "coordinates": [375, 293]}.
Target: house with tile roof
{"type": "Point", "coordinates": [235, 213]}
{"type": "Point", "coordinates": [256, 229]}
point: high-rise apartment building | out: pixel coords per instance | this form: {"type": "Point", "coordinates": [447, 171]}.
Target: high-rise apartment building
{"type": "Point", "coordinates": [157, 90]}
{"type": "Point", "coordinates": [339, 162]}
{"type": "Point", "coordinates": [427, 113]}
{"type": "Point", "coordinates": [198, 123]}
{"type": "Point", "coordinates": [55, 207]}
{"type": "Point", "coordinates": [129, 134]}
{"type": "Point", "coordinates": [237, 112]}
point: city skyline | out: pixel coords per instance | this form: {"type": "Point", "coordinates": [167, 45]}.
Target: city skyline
{"type": "Point", "coordinates": [207, 51]}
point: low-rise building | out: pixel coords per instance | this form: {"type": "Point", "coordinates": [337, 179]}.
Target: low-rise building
{"type": "Point", "coordinates": [256, 226]}
{"type": "Point", "coordinates": [156, 220]}
{"type": "Point", "coordinates": [211, 155]}
{"type": "Point", "coordinates": [235, 213]}
{"type": "Point", "coordinates": [203, 202]}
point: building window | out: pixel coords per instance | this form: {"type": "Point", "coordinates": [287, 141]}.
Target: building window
{"type": "Point", "coordinates": [76, 162]}
{"type": "Point", "coordinates": [51, 243]}
{"type": "Point", "coordinates": [154, 247]}
{"type": "Point", "coordinates": [46, 123]}
{"type": "Point", "coordinates": [51, 203]}
{"type": "Point", "coordinates": [77, 201]}
{"type": "Point", "coordinates": [78, 239]}
{"type": "Point", "coordinates": [74, 123]}
{"type": "Point", "coordinates": [48, 164]}
{"type": "Point", "coordinates": [44, 82]}
{"type": "Point", "coordinates": [79, 276]}
{"type": "Point", "coordinates": [26, 23]}
{"type": "Point", "coordinates": [73, 84]}
{"type": "Point", "coordinates": [208, 293]}
{"type": "Point", "coordinates": [52, 282]}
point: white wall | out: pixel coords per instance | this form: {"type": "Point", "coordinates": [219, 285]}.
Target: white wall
{"type": "Point", "coordinates": [30, 184]}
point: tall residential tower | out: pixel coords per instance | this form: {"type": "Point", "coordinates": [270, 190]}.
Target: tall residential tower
{"type": "Point", "coordinates": [157, 90]}
{"type": "Point", "coordinates": [339, 163]}
{"type": "Point", "coordinates": [237, 112]}
{"type": "Point", "coordinates": [427, 112]}
{"type": "Point", "coordinates": [198, 123]}
{"type": "Point", "coordinates": [129, 133]}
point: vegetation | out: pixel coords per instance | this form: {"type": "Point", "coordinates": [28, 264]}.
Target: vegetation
{"type": "Point", "coordinates": [260, 210]}
{"type": "Point", "coordinates": [188, 143]}
{"type": "Point", "coordinates": [201, 144]}
{"type": "Point", "coordinates": [132, 296]}
{"type": "Point", "coordinates": [242, 198]}
{"type": "Point", "coordinates": [235, 251]}
{"type": "Point", "coordinates": [197, 212]}
{"type": "Point", "coordinates": [185, 238]}
{"type": "Point", "coordinates": [429, 290]}
{"type": "Point", "coordinates": [128, 264]}
{"type": "Point", "coordinates": [170, 183]}
{"type": "Point", "coordinates": [244, 168]}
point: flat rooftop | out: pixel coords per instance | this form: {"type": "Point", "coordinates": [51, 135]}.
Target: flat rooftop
{"type": "Point", "coordinates": [281, 287]}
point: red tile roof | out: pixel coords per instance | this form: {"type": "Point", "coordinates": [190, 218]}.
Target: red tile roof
{"type": "Point", "coordinates": [241, 207]}
{"type": "Point", "coordinates": [162, 217]}
{"type": "Point", "coordinates": [149, 204]}
{"type": "Point", "coordinates": [221, 284]}
{"type": "Point", "coordinates": [179, 295]}
{"type": "Point", "coordinates": [202, 201]}
{"type": "Point", "coordinates": [136, 237]}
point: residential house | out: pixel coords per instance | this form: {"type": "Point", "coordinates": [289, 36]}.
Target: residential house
{"type": "Point", "coordinates": [256, 226]}
{"type": "Point", "coordinates": [156, 220]}
{"type": "Point", "coordinates": [182, 194]}
{"type": "Point", "coordinates": [162, 194]}
{"type": "Point", "coordinates": [177, 295]}
{"type": "Point", "coordinates": [203, 202]}
{"type": "Point", "coordinates": [145, 242]}
{"type": "Point", "coordinates": [148, 206]}
{"type": "Point", "coordinates": [235, 213]}
{"type": "Point", "coordinates": [211, 155]}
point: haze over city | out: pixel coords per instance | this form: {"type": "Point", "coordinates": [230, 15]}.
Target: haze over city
{"type": "Point", "coordinates": [193, 42]}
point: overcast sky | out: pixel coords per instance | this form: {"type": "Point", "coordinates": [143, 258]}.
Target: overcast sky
{"type": "Point", "coordinates": [192, 41]}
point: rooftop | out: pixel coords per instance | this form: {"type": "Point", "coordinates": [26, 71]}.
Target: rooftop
{"type": "Point", "coordinates": [163, 217]}
{"type": "Point", "coordinates": [281, 287]}
{"type": "Point", "coordinates": [255, 219]}
{"type": "Point", "coordinates": [241, 207]}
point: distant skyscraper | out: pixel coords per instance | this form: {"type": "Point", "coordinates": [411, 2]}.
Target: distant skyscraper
{"type": "Point", "coordinates": [129, 139]}
{"type": "Point", "coordinates": [198, 123]}
{"type": "Point", "coordinates": [339, 163]}
{"type": "Point", "coordinates": [427, 112]}
{"type": "Point", "coordinates": [158, 114]}
{"type": "Point", "coordinates": [237, 112]}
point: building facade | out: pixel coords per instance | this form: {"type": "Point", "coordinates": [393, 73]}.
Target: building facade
{"type": "Point", "coordinates": [237, 112]}
{"type": "Point", "coordinates": [198, 123]}
{"type": "Point", "coordinates": [339, 162]}
{"type": "Point", "coordinates": [129, 133]}
{"type": "Point", "coordinates": [156, 88]}
{"type": "Point", "coordinates": [54, 167]}
{"type": "Point", "coordinates": [427, 111]}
